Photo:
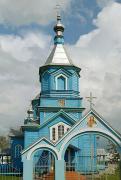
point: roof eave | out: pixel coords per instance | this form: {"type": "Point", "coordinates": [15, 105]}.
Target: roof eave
{"type": "Point", "coordinates": [44, 67]}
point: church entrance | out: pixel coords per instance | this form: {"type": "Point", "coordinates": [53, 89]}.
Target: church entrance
{"type": "Point", "coordinates": [92, 157]}
{"type": "Point", "coordinates": [70, 161]}
{"type": "Point", "coordinates": [43, 165]}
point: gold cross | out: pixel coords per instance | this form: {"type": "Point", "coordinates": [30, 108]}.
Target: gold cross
{"type": "Point", "coordinates": [90, 99]}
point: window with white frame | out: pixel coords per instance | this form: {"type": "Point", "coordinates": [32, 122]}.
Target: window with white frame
{"type": "Point", "coordinates": [61, 82]}
{"type": "Point", "coordinates": [58, 130]}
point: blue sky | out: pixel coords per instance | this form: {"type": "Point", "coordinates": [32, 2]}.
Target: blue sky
{"type": "Point", "coordinates": [78, 17]}
{"type": "Point", "coordinates": [93, 40]}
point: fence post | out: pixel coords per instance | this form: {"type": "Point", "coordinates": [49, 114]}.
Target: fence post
{"type": "Point", "coordinates": [59, 170]}
{"type": "Point", "coordinates": [27, 169]}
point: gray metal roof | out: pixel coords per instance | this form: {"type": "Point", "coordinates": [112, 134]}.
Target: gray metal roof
{"type": "Point", "coordinates": [59, 56]}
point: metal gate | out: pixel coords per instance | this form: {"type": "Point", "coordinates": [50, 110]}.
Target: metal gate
{"type": "Point", "coordinates": [73, 171]}
{"type": "Point", "coordinates": [44, 165]}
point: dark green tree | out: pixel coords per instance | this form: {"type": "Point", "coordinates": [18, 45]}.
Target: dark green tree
{"type": "Point", "coordinates": [4, 143]}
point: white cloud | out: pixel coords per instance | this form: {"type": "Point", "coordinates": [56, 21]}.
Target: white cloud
{"type": "Point", "coordinates": [22, 48]}
{"type": "Point", "coordinates": [28, 11]}
{"type": "Point", "coordinates": [98, 53]}
{"type": "Point", "coordinates": [20, 58]}
{"type": "Point", "coordinates": [103, 3]}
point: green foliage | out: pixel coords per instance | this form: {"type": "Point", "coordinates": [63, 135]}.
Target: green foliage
{"type": "Point", "coordinates": [4, 143]}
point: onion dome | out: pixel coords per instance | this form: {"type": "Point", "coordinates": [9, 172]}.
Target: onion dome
{"type": "Point", "coordinates": [59, 29]}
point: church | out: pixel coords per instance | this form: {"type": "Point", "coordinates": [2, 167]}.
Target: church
{"type": "Point", "coordinates": [56, 140]}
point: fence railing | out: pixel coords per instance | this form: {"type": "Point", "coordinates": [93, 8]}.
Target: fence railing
{"type": "Point", "coordinates": [9, 172]}
{"type": "Point", "coordinates": [111, 172]}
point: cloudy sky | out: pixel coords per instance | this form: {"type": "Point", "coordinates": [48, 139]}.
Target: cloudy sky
{"type": "Point", "coordinates": [93, 40]}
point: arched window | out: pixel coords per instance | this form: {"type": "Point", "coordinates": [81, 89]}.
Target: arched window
{"type": "Point", "coordinates": [61, 82]}
{"type": "Point", "coordinates": [60, 131]}
{"type": "Point", "coordinates": [18, 149]}
{"type": "Point", "coordinates": [53, 134]}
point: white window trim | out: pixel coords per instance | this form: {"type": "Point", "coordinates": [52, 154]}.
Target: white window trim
{"type": "Point", "coordinates": [53, 139]}
{"type": "Point", "coordinates": [56, 80]}
{"type": "Point", "coordinates": [60, 131]}
{"type": "Point", "coordinates": [56, 130]}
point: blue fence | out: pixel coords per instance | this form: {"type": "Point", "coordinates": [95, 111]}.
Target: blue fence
{"type": "Point", "coordinates": [9, 172]}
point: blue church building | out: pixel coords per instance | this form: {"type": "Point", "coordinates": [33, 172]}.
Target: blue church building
{"type": "Point", "coordinates": [56, 139]}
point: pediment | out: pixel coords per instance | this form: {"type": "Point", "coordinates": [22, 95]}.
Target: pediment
{"type": "Point", "coordinates": [94, 120]}
{"type": "Point", "coordinates": [91, 122]}
{"type": "Point", "coordinates": [55, 118]}
{"type": "Point", "coordinates": [36, 144]}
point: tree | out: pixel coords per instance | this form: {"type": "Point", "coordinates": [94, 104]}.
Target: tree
{"type": "Point", "coordinates": [113, 151]}
{"type": "Point", "coordinates": [4, 143]}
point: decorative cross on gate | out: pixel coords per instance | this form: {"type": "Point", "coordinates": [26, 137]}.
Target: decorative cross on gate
{"type": "Point", "coordinates": [90, 99]}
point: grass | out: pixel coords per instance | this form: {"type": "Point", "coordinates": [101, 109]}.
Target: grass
{"type": "Point", "coordinates": [10, 178]}
{"type": "Point", "coordinates": [104, 177]}
{"type": "Point", "coordinates": [111, 177]}
{"type": "Point", "coordinates": [115, 176]}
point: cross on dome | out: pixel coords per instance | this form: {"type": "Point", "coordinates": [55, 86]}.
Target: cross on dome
{"type": "Point", "coordinates": [58, 28]}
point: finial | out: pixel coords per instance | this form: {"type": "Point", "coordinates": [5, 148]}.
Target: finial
{"type": "Point", "coordinates": [90, 99]}
{"type": "Point", "coordinates": [58, 10]}
{"type": "Point", "coordinates": [58, 28]}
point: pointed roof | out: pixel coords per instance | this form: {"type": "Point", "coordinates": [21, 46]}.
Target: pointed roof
{"type": "Point", "coordinates": [44, 139]}
{"type": "Point", "coordinates": [59, 56]}
{"type": "Point", "coordinates": [61, 112]}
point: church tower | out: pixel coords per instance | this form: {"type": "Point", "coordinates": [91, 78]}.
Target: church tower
{"type": "Point", "coordinates": [59, 143]}
{"type": "Point", "coordinates": [59, 105]}
{"type": "Point", "coordinates": [59, 79]}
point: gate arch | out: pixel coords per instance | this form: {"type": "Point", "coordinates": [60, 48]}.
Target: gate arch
{"type": "Point", "coordinates": [98, 131]}
{"type": "Point", "coordinates": [43, 146]}
{"type": "Point", "coordinates": [43, 162]}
